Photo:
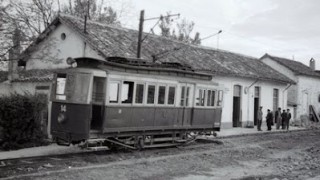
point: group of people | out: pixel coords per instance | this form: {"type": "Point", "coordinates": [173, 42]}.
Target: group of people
{"type": "Point", "coordinates": [282, 119]}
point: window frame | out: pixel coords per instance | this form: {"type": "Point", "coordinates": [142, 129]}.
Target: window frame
{"type": "Point", "coordinates": [175, 95]}
{"type": "Point", "coordinates": [135, 93]}
{"type": "Point", "coordinates": [207, 89]}
{"type": "Point", "coordinates": [119, 92]}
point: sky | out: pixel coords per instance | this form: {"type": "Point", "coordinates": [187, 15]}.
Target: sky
{"type": "Point", "coordinates": [284, 28]}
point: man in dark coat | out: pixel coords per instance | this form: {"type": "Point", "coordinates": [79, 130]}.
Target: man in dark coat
{"type": "Point", "coordinates": [284, 117]}
{"type": "Point", "coordinates": [269, 119]}
{"type": "Point", "coordinates": [259, 118]}
{"type": "Point", "coordinates": [288, 119]}
{"type": "Point", "coordinates": [277, 117]}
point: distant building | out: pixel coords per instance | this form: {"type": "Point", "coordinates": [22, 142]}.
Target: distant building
{"type": "Point", "coordinates": [248, 82]}
{"type": "Point", "coordinates": [306, 91]}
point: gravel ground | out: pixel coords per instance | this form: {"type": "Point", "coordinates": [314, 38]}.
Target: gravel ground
{"type": "Point", "coordinates": [291, 155]}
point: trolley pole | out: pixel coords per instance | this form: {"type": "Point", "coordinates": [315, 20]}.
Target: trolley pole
{"type": "Point", "coordinates": [140, 40]}
{"type": "Point", "coordinates": [140, 33]}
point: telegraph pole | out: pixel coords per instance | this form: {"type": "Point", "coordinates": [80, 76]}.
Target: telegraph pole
{"type": "Point", "coordinates": [140, 33]}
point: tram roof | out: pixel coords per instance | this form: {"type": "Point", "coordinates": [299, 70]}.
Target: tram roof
{"type": "Point", "coordinates": [110, 41]}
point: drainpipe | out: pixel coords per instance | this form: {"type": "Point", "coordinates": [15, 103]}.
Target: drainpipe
{"type": "Point", "coordinates": [283, 94]}
{"type": "Point", "coordinates": [248, 92]}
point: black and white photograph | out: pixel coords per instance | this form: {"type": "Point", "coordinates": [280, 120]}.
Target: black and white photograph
{"type": "Point", "coordinates": [160, 89]}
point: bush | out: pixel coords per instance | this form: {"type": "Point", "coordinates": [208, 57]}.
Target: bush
{"type": "Point", "coordinates": [20, 121]}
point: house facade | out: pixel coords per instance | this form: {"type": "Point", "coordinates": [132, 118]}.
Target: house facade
{"type": "Point", "coordinates": [305, 91]}
{"type": "Point", "coordinates": [248, 83]}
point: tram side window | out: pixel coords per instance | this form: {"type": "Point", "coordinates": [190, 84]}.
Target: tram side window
{"type": "Point", "coordinates": [114, 92]}
{"type": "Point", "coordinates": [184, 99]}
{"type": "Point", "coordinates": [151, 94]}
{"type": "Point", "coordinates": [139, 93]}
{"type": "Point", "coordinates": [61, 87]}
{"type": "Point", "coordinates": [220, 98]}
{"type": "Point", "coordinates": [200, 97]}
{"type": "Point", "coordinates": [127, 92]}
{"type": "Point", "coordinates": [161, 94]}
{"type": "Point", "coordinates": [171, 95]}
{"type": "Point", "coordinates": [211, 97]}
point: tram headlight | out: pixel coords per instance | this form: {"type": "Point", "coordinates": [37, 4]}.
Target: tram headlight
{"type": "Point", "coordinates": [62, 118]}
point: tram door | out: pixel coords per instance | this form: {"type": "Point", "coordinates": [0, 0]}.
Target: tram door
{"type": "Point", "coordinates": [98, 105]}
{"type": "Point", "coordinates": [185, 103]}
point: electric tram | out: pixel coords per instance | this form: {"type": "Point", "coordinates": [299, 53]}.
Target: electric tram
{"type": "Point", "coordinates": [133, 103]}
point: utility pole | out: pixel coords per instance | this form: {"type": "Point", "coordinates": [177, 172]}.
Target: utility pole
{"type": "Point", "coordinates": [140, 33]}
{"type": "Point", "coordinates": [141, 28]}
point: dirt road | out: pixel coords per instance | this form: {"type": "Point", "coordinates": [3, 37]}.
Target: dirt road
{"type": "Point", "coordinates": [290, 155]}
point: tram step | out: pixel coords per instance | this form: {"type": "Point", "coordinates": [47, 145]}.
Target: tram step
{"type": "Point", "coordinates": [161, 145]}
{"type": "Point", "coordinates": [96, 140]}
{"type": "Point", "coordinates": [98, 148]}
{"type": "Point", "coordinates": [180, 140]}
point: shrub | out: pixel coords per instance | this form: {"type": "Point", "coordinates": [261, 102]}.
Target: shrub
{"type": "Point", "coordinates": [20, 121]}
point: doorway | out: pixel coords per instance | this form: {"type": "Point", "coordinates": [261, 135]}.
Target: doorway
{"type": "Point", "coordinates": [98, 103]}
{"type": "Point", "coordinates": [256, 104]}
{"type": "Point", "coordinates": [236, 115]}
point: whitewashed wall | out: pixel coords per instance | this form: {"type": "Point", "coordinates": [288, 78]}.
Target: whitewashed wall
{"type": "Point", "coordinates": [308, 91]}
{"type": "Point", "coordinates": [247, 99]}
{"type": "Point", "coordinates": [23, 87]}
{"type": "Point", "coordinates": [280, 68]}
{"type": "Point", "coordinates": [54, 51]}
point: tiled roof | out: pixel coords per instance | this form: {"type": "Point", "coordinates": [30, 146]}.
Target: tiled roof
{"type": "Point", "coordinates": [295, 66]}
{"type": "Point", "coordinates": [111, 41]}
{"type": "Point", "coordinates": [3, 76]}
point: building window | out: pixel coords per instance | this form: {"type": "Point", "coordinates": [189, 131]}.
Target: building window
{"type": "Point", "coordinates": [151, 94]}
{"type": "Point", "coordinates": [257, 92]}
{"type": "Point", "coordinates": [275, 99]}
{"type": "Point", "coordinates": [171, 95]}
{"type": "Point", "coordinates": [114, 92]}
{"type": "Point", "coordinates": [63, 36]}
{"type": "Point", "coordinates": [139, 93]}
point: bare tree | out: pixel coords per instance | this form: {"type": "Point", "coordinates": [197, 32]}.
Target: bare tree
{"type": "Point", "coordinates": [33, 16]}
{"type": "Point", "coordinates": [183, 33]}
{"type": "Point", "coordinates": [94, 10]}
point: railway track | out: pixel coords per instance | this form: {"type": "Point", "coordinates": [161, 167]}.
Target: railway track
{"type": "Point", "coordinates": [36, 164]}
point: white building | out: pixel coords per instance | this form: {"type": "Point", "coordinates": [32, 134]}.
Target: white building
{"type": "Point", "coordinates": [306, 91]}
{"type": "Point", "coordinates": [248, 82]}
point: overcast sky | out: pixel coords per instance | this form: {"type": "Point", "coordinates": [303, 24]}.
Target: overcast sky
{"type": "Point", "coordinates": [285, 28]}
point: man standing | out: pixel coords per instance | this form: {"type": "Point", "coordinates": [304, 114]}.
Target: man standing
{"type": "Point", "coordinates": [269, 119]}
{"type": "Point", "coordinates": [288, 119]}
{"type": "Point", "coordinates": [284, 119]}
{"type": "Point", "coordinates": [278, 118]}
{"type": "Point", "coordinates": [259, 118]}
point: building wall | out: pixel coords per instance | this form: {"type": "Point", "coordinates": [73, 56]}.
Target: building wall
{"type": "Point", "coordinates": [280, 68]}
{"type": "Point", "coordinates": [305, 92]}
{"type": "Point", "coordinates": [54, 51]}
{"type": "Point", "coordinates": [247, 98]}
{"type": "Point", "coordinates": [308, 91]}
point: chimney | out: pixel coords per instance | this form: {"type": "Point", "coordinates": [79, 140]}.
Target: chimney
{"type": "Point", "coordinates": [312, 64]}
{"type": "Point", "coordinates": [14, 53]}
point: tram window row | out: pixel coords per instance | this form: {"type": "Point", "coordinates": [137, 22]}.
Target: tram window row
{"type": "Point", "coordinates": [139, 93]}
{"type": "Point", "coordinates": [162, 94]}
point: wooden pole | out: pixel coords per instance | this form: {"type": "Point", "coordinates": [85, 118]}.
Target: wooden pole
{"type": "Point", "coordinates": [140, 33]}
